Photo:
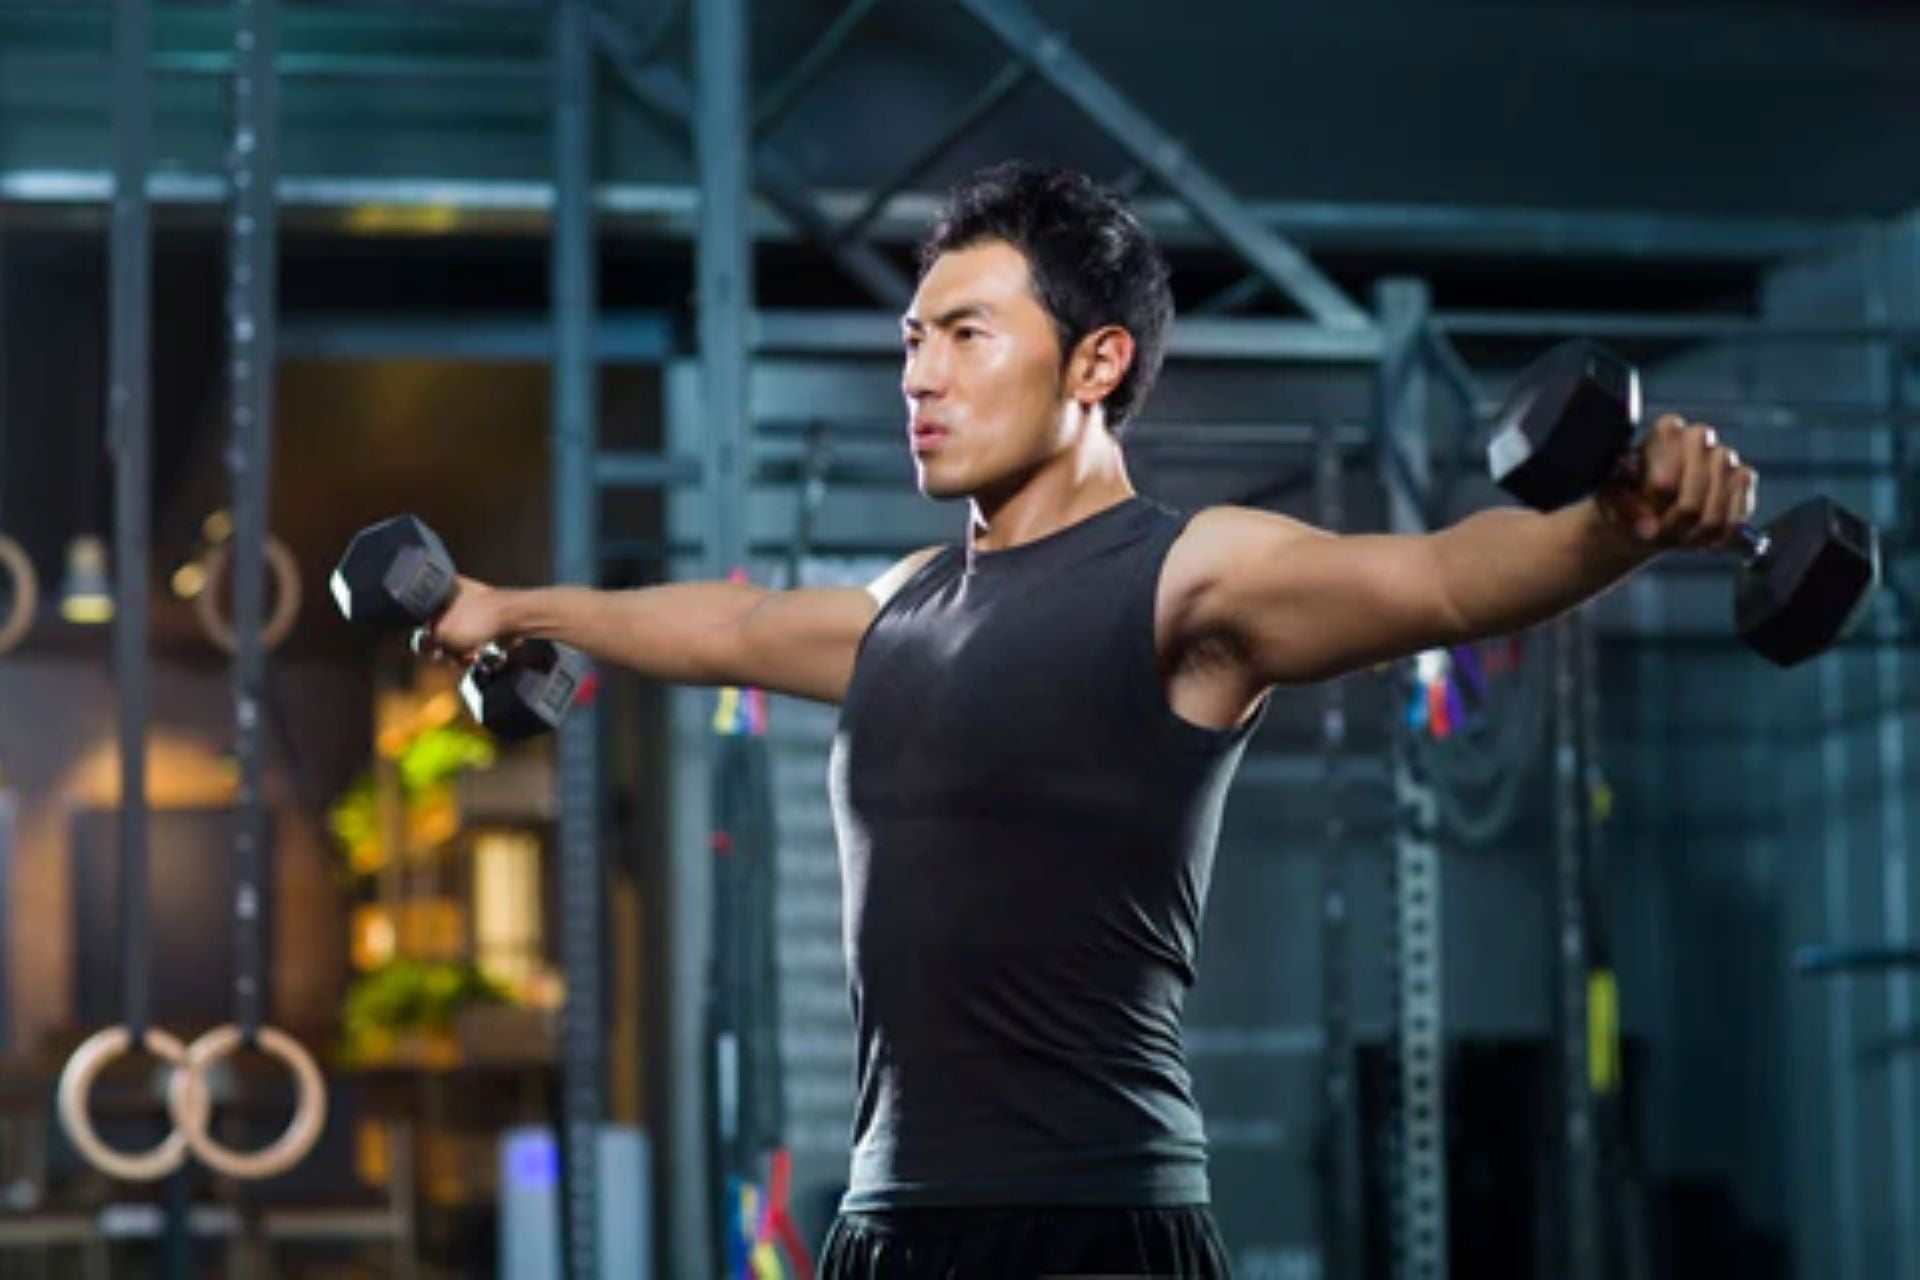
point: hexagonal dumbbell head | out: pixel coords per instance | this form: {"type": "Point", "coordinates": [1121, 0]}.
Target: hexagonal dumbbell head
{"type": "Point", "coordinates": [1568, 423]}
{"type": "Point", "coordinates": [525, 694]}
{"type": "Point", "coordinates": [1820, 569]}
{"type": "Point", "coordinates": [395, 574]}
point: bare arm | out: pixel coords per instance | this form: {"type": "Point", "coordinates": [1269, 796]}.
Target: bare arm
{"type": "Point", "coordinates": [1506, 570]}
{"type": "Point", "coordinates": [800, 642]}
{"type": "Point", "coordinates": [1293, 603]}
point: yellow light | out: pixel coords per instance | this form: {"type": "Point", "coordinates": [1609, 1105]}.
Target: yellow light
{"type": "Point", "coordinates": [217, 527]}
{"type": "Point", "coordinates": [189, 580]}
{"type": "Point", "coordinates": [506, 905]}
{"type": "Point", "coordinates": [86, 597]}
{"type": "Point", "coordinates": [372, 936]}
{"type": "Point", "coordinates": [88, 611]}
{"type": "Point", "coordinates": [375, 219]}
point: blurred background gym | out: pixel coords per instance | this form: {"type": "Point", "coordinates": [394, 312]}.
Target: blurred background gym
{"type": "Point", "coordinates": [1591, 953]}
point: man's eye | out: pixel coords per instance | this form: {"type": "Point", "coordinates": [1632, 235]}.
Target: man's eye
{"type": "Point", "coordinates": [966, 333]}
{"type": "Point", "coordinates": [910, 345]}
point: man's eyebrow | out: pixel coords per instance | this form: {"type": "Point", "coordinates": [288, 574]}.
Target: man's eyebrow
{"type": "Point", "coordinates": [950, 317]}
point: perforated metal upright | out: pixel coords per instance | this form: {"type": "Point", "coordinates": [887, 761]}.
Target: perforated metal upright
{"type": "Point", "coordinates": [724, 274]}
{"type": "Point", "coordinates": [1896, 289]}
{"type": "Point", "coordinates": [1579, 1170]}
{"type": "Point", "coordinates": [575, 419]}
{"type": "Point", "coordinates": [129, 300]}
{"type": "Point", "coordinates": [1420, 1181]}
{"type": "Point", "coordinates": [1341, 1212]}
{"type": "Point", "coordinates": [252, 310]}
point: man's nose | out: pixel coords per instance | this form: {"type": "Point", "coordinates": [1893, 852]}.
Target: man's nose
{"type": "Point", "coordinates": [924, 375]}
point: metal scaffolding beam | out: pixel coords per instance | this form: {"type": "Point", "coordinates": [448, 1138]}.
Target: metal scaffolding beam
{"type": "Point", "coordinates": [672, 210]}
{"type": "Point", "coordinates": [1659, 327]}
{"type": "Point", "coordinates": [653, 337]}
{"type": "Point", "coordinates": [1169, 163]}
{"type": "Point", "coordinates": [781, 97]}
{"type": "Point", "coordinates": [989, 99]}
{"type": "Point", "coordinates": [661, 89]}
{"type": "Point", "coordinates": [874, 333]}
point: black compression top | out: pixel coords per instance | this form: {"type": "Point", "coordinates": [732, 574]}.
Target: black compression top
{"type": "Point", "coordinates": [1026, 835]}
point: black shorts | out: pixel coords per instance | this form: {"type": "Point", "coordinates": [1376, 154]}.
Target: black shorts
{"type": "Point", "coordinates": [1024, 1244]}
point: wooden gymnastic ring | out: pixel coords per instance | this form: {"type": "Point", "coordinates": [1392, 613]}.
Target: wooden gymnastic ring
{"type": "Point", "coordinates": [84, 1066]}
{"type": "Point", "coordinates": [286, 596]}
{"type": "Point", "coordinates": [26, 593]}
{"type": "Point", "coordinates": [191, 1102]}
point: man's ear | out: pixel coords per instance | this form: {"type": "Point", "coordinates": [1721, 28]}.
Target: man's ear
{"type": "Point", "coordinates": [1100, 361]}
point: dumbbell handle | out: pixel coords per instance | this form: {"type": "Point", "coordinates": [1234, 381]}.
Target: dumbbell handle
{"type": "Point", "coordinates": [491, 654]}
{"type": "Point", "coordinates": [1754, 543]}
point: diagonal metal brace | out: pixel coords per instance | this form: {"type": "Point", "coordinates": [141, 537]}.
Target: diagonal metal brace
{"type": "Point", "coordinates": [1167, 161]}
{"type": "Point", "coordinates": [664, 91]}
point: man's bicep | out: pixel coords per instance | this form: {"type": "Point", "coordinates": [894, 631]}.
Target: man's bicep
{"type": "Point", "coordinates": [803, 641]}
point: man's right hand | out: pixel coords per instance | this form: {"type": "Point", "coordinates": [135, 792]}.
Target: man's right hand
{"type": "Point", "coordinates": [466, 626]}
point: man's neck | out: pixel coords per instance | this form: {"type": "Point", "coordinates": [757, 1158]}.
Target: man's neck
{"type": "Point", "coordinates": [1043, 505]}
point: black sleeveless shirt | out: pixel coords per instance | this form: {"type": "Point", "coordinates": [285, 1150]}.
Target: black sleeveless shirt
{"type": "Point", "coordinates": [1026, 835]}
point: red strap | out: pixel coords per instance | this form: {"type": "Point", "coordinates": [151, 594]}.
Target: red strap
{"type": "Point", "coordinates": [780, 1183]}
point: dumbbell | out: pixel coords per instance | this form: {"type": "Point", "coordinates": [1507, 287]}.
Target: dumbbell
{"type": "Point", "coordinates": [397, 573]}
{"type": "Point", "coordinates": [1568, 428]}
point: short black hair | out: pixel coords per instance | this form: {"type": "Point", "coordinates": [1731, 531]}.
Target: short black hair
{"type": "Point", "coordinates": [1092, 262]}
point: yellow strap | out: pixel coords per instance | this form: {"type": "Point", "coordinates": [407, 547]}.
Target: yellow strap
{"type": "Point", "coordinates": [1603, 1032]}
{"type": "Point", "coordinates": [766, 1263]}
{"type": "Point", "coordinates": [725, 709]}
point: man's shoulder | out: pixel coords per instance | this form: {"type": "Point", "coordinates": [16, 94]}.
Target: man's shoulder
{"type": "Point", "coordinates": [882, 588]}
{"type": "Point", "coordinates": [1220, 543]}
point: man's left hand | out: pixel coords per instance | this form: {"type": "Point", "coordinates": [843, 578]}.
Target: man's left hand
{"type": "Point", "coordinates": [1689, 490]}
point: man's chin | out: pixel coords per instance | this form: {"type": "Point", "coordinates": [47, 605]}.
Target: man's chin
{"type": "Point", "coordinates": [938, 489]}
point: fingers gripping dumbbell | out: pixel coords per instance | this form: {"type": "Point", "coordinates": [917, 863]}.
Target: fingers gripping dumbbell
{"type": "Point", "coordinates": [398, 573]}
{"type": "Point", "coordinates": [1568, 428]}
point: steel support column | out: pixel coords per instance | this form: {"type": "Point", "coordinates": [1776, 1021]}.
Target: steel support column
{"type": "Point", "coordinates": [1579, 1168]}
{"type": "Point", "coordinates": [725, 267]}
{"type": "Point", "coordinates": [252, 309]}
{"type": "Point", "coordinates": [575, 417]}
{"type": "Point", "coordinates": [724, 277]}
{"type": "Point", "coordinates": [1891, 681]}
{"type": "Point", "coordinates": [129, 321]}
{"type": "Point", "coordinates": [1342, 1228]}
{"type": "Point", "coordinates": [1420, 1188]}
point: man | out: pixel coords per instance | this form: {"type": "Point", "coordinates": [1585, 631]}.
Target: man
{"type": "Point", "coordinates": [1039, 724]}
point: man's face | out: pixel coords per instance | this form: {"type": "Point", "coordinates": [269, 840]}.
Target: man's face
{"type": "Point", "coordinates": [982, 375]}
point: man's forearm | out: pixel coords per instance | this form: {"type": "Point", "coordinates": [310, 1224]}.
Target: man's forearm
{"type": "Point", "coordinates": [1505, 570]}
{"type": "Point", "coordinates": [681, 632]}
